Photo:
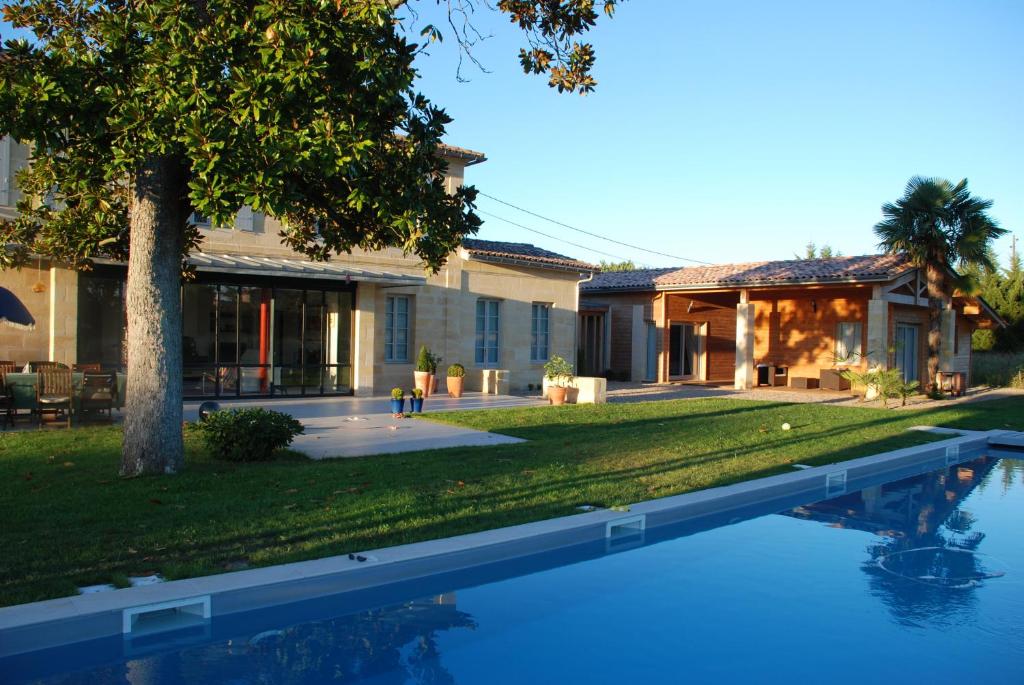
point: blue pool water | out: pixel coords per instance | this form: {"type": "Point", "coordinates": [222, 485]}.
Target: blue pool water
{"type": "Point", "coordinates": [918, 580]}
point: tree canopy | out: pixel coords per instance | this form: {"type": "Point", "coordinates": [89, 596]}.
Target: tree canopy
{"type": "Point", "coordinates": [140, 114]}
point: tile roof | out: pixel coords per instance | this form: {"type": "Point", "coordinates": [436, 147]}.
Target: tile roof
{"type": "Point", "coordinates": [525, 253]}
{"type": "Point", "coordinates": [790, 271]}
{"type": "Point", "coordinates": [457, 152]}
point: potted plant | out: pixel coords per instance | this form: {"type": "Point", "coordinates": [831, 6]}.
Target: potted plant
{"type": "Point", "coordinates": [397, 402]}
{"type": "Point", "coordinates": [456, 378]}
{"type": "Point", "coordinates": [434, 359]}
{"type": "Point", "coordinates": [424, 364]}
{"type": "Point", "coordinates": [416, 401]}
{"type": "Point", "coordinates": [559, 372]}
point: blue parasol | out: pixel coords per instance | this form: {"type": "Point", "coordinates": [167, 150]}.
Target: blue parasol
{"type": "Point", "coordinates": [13, 311]}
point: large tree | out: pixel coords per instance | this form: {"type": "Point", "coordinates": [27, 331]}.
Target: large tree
{"type": "Point", "coordinates": [938, 225]}
{"type": "Point", "coordinates": [141, 113]}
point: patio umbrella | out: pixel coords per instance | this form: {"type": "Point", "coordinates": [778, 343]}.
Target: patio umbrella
{"type": "Point", "coordinates": [13, 312]}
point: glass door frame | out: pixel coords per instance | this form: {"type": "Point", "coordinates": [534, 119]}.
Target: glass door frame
{"type": "Point", "coordinates": [696, 329]}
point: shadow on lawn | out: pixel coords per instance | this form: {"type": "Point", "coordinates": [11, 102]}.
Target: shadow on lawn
{"type": "Point", "coordinates": [461, 510]}
{"type": "Point", "coordinates": [558, 458]}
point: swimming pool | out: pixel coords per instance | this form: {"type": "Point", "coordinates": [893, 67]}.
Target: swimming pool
{"type": "Point", "coordinates": [915, 580]}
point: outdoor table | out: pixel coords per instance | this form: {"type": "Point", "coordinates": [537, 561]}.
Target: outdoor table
{"type": "Point", "coordinates": [23, 387]}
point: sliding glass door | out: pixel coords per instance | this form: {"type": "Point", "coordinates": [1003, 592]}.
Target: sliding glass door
{"type": "Point", "coordinates": [243, 340]}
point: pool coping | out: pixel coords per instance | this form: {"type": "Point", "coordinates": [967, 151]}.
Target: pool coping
{"type": "Point", "coordinates": [51, 623]}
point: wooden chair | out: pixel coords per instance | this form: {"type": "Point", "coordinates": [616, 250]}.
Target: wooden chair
{"type": "Point", "coordinates": [99, 390]}
{"type": "Point", "coordinates": [33, 367]}
{"type": "Point", "coordinates": [6, 394]}
{"type": "Point", "coordinates": [86, 368]}
{"type": "Point", "coordinates": [54, 392]}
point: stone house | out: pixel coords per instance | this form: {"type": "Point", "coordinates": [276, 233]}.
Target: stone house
{"type": "Point", "coordinates": [261, 320]}
{"type": "Point", "coordinates": [775, 323]}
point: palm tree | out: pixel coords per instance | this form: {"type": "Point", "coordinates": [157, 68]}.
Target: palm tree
{"type": "Point", "coordinates": [938, 225]}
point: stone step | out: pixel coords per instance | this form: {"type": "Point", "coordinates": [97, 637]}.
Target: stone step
{"type": "Point", "coordinates": [1007, 440]}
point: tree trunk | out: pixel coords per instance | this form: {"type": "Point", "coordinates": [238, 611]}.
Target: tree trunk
{"type": "Point", "coordinates": [936, 282]}
{"type": "Point", "coordinates": [153, 413]}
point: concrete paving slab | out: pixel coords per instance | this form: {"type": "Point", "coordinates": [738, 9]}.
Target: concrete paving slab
{"type": "Point", "coordinates": [358, 436]}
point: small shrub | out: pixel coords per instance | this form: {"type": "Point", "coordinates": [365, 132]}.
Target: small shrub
{"type": "Point", "coordinates": [558, 371]}
{"type": "Point", "coordinates": [427, 360]}
{"type": "Point", "coordinates": [998, 369]}
{"type": "Point", "coordinates": [423, 361]}
{"type": "Point", "coordinates": [397, 393]}
{"type": "Point", "coordinates": [456, 371]}
{"type": "Point", "coordinates": [248, 434]}
{"type": "Point", "coordinates": [417, 393]}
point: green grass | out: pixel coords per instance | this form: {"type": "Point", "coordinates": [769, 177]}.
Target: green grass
{"type": "Point", "coordinates": [68, 520]}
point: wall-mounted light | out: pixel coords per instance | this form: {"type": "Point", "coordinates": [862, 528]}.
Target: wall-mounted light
{"type": "Point", "coordinates": [39, 286]}
{"type": "Point", "coordinates": [814, 306]}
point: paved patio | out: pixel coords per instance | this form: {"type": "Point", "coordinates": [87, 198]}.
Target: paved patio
{"type": "Point", "coordinates": [648, 392]}
{"type": "Point", "coordinates": [361, 426]}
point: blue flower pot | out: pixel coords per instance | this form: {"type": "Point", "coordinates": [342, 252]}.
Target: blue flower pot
{"type": "Point", "coordinates": [398, 406]}
{"type": "Point", "coordinates": [417, 404]}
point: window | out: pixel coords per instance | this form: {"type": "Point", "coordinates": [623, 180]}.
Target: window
{"type": "Point", "coordinates": [539, 332]}
{"type": "Point", "coordinates": [487, 332]}
{"type": "Point", "coordinates": [200, 220]}
{"type": "Point", "coordinates": [848, 339]}
{"type": "Point", "coordinates": [396, 329]}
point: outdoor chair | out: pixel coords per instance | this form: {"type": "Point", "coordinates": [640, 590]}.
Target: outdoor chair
{"type": "Point", "coordinates": [54, 391]}
{"type": "Point", "coordinates": [34, 367]}
{"type": "Point", "coordinates": [86, 368]}
{"type": "Point", "coordinates": [98, 393]}
{"type": "Point", "coordinates": [6, 394]}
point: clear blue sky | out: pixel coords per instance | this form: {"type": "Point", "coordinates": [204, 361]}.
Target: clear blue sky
{"type": "Point", "coordinates": [741, 130]}
{"type": "Point", "coordinates": [734, 131]}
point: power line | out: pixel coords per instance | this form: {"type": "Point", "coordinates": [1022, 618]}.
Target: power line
{"type": "Point", "coordinates": [548, 235]}
{"type": "Point", "coordinates": [593, 235]}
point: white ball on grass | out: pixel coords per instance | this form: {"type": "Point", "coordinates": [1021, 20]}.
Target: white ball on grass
{"type": "Point", "coordinates": [786, 426]}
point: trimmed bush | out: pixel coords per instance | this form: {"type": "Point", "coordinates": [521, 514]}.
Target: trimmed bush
{"type": "Point", "coordinates": [248, 434]}
{"type": "Point", "coordinates": [456, 371]}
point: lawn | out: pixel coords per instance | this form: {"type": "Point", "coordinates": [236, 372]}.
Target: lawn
{"type": "Point", "coordinates": [69, 520]}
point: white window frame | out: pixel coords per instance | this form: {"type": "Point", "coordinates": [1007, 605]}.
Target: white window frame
{"type": "Point", "coordinates": [392, 328]}
{"type": "Point", "coordinates": [487, 355]}
{"type": "Point", "coordinates": [540, 352]}
{"type": "Point", "coordinates": [844, 355]}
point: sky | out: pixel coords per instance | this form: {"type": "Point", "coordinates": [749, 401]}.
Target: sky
{"type": "Point", "coordinates": [733, 131]}
{"type": "Point", "coordinates": [739, 131]}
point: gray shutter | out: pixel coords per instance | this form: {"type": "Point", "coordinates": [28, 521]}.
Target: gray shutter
{"type": "Point", "coordinates": [5, 171]}
{"type": "Point", "coordinates": [244, 220]}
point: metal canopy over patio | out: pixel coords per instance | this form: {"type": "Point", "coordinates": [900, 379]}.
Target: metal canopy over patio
{"type": "Point", "coordinates": [297, 268]}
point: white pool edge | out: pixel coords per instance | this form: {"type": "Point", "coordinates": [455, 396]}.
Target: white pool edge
{"type": "Point", "coordinates": [39, 625]}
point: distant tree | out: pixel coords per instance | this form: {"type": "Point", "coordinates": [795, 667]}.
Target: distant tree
{"type": "Point", "coordinates": [1003, 290]}
{"type": "Point", "coordinates": [938, 224]}
{"type": "Point", "coordinates": [811, 251]}
{"type": "Point", "coordinates": [140, 114]}
{"type": "Point", "coordinates": [626, 265]}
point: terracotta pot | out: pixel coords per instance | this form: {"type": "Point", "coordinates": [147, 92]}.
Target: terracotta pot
{"type": "Point", "coordinates": [455, 386]}
{"type": "Point", "coordinates": [433, 385]}
{"type": "Point", "coordinates": [556, 394]}
{"type": "Point", "coordinates": [422, 379]}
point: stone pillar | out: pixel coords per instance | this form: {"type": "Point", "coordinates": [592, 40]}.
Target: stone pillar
{"type": "Point", "coordinates": [878, 334]}
{"type": "Point", "coordinates": [744, 345]}
{"type": "Point", "coordinates": [63, 324]}
{"type": "Point", "coordinates": [947, 361]}
{"type": "Point", "coordinates": [365, 339]}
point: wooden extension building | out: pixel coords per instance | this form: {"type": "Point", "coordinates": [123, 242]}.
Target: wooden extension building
{"type": "Point", "coordinates": [774, 323]}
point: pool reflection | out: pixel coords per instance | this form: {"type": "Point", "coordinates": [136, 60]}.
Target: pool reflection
{"type": "Point", "coordinates": [927, 559]}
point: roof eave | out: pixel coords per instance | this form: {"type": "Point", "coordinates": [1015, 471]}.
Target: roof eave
{"type": "Point", "coordinates": [530, 263]}
{"type": "Point", "coordinates": [774, 284]}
